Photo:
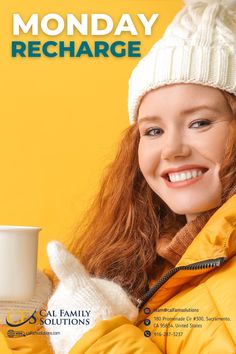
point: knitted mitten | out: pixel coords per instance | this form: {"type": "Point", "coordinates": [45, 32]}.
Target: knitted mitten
{"type": "Point", "coordinates": [79, 295]}
{"type": "Point", "coordinates": [14, 309]}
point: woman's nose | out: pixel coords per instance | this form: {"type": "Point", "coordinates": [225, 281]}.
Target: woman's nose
{"type": "Point", "coordinates": [174, 149]}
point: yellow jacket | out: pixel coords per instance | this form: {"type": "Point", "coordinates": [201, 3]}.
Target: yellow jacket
{"type": "Point", "coordinates": [192, 308]}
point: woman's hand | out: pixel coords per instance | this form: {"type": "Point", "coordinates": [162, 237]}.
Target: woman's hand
{"type": "Point", "coordinates": [99, 299]}
{"type": "Point", "coordinates": [16, 311]}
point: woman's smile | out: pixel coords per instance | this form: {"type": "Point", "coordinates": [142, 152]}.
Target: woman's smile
{"type": "Point", "coordinates": [183, 176]}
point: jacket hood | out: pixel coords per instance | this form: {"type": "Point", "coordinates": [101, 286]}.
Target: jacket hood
{"type": "Point", "coordinates": [216, 239]}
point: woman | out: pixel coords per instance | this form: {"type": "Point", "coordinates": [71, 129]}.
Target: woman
{"type": "Point", "coordinates": [161, 233]}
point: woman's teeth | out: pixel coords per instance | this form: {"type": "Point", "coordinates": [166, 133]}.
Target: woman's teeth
{"type": "Point", "coordinates": [183, 176]}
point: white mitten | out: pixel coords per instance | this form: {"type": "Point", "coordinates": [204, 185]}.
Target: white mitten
{"type": "Point", "coordinates": [99, 299]}
{"type": "Point", "coordinates": [15, 308]}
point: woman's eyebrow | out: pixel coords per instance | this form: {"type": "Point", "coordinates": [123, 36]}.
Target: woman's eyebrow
{"type": "Point", "coordinates": [149, 119]}
{"type": "Point", "coordinates": [184, 112]}
{"type": "Point", "coordinates": [200, 108]}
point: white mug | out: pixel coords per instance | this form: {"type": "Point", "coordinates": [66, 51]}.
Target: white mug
{"type": "Point", "coordinates": [18, 262]}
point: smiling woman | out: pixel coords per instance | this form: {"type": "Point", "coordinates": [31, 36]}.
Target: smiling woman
{"type": "Point", "coordinates": [163, 223]}
{"type": "Point", "coordinates": [160, 236]}
{"type": "Point", "coordinates": [182, 144]}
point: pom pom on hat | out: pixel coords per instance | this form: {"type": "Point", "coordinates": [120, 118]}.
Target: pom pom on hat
{"type": "Point", "coordinates": [226, 3]}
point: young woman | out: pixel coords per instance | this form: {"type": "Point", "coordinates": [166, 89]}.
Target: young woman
{"type": "Point", "coordinates": [158, 248]}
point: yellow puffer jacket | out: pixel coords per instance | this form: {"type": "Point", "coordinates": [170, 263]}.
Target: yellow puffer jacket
{"type": "Point", "coordinates": [192, 309]}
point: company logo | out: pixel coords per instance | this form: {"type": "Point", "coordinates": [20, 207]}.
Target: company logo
{"type": "Point", "coordinates": [31, 319]}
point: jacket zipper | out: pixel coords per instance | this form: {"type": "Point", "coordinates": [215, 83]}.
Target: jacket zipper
{"type": "Point", "coordinates": [209, 263]}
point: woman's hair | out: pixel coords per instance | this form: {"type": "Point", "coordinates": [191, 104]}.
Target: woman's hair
{"type": "Point", "coordinates": [117, 238]}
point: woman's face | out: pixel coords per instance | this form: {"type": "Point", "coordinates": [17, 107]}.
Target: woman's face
{"type": "Point", "coordinates": [183, 132]}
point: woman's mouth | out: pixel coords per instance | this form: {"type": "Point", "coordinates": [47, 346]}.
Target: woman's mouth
{"type": "Point", "coordinates": [184, 177]}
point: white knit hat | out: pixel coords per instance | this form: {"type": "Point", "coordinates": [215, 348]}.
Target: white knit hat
{"type": "Point", "coordinates": [199, 46]}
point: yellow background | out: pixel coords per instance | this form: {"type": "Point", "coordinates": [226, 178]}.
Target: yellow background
{"type": "Point", "coordinates": [61, 118]}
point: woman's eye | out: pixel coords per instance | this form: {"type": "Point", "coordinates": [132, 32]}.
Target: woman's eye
{"type": "Point", "coordinates": [153, 132]}
{"type": "Point", "coordinates": [200, 123]}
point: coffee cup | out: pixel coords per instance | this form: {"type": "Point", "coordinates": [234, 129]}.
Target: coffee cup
{"type": "Point", "coordinates": [18, 262]}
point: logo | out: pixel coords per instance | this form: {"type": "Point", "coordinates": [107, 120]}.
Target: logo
{"type": "Point", "coordinates": [31, 319]}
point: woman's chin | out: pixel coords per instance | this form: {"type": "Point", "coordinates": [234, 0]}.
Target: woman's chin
{"type": "Point", "coordinates": [194, 210]}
